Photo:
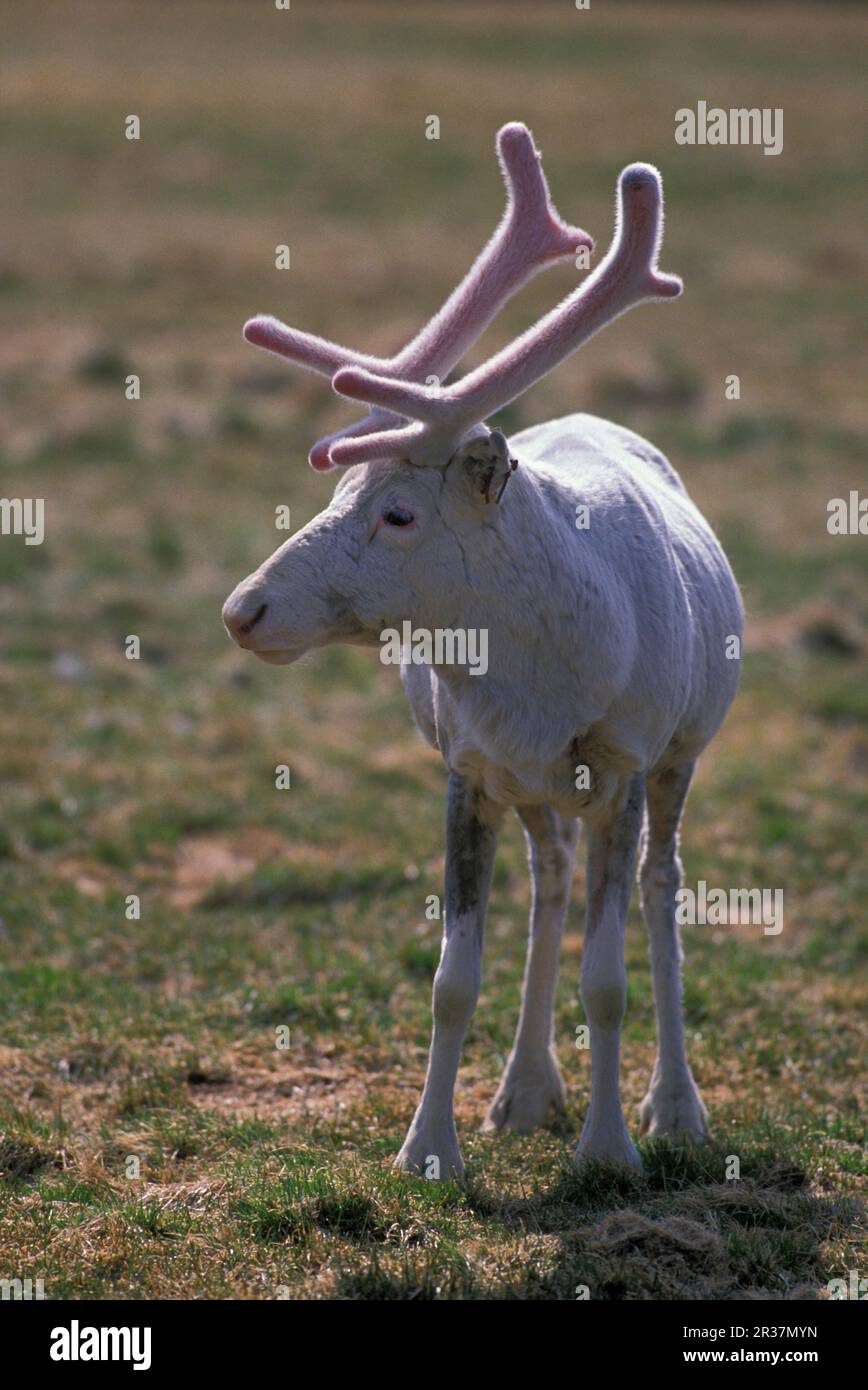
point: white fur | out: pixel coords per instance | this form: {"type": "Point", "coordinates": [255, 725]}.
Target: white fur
{"type": "Point", "coordinates": [607, 647]}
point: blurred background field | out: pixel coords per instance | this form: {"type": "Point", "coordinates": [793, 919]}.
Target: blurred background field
{"type": "Point", "coordinates": [154, 1040]}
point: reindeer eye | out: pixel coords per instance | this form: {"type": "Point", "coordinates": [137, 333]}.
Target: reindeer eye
{"type": "Point", "coordinates": [397, 516]}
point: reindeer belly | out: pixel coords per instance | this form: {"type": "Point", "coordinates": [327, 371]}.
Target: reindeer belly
{"type": "Point", "coordinates": [576, 784]}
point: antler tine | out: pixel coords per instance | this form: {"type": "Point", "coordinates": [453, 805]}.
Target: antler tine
{"type": "Point", "coordinates": [305, 349]}
{"type": "Point", "coordinates": [377, 421]}
{"type": "Point", "coordinates": [627, 276]}
{"type": "Point", "coordinates": [530, 236]}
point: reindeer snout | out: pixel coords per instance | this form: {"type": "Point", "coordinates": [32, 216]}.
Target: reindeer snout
{"type": "Point", "coordinates": [241, 613]}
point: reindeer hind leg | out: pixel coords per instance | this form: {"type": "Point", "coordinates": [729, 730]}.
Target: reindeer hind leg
{"type": "Point", "coordinates": [531, 1089]}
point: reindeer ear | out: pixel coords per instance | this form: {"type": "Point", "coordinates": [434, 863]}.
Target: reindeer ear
{"type": "Point", "coordinates": [484, 459]}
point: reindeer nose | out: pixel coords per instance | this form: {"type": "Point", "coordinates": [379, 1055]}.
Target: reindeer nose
{"type": "Point", "coordinates": [240, 616]}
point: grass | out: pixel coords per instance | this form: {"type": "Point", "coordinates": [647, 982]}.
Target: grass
{"type": "Point", "coordinates": [159, 1139]}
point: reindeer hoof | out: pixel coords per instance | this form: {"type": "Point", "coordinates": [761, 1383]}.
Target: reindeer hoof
{"type": "Point", "coordinates": [429, 1154]}
{"type": "Point", "coordinates": [610, 1146]}
{"type": "Point", "coordinates": [530, 1094]}
{"type": "Point", "coordinates": [674, 1113]}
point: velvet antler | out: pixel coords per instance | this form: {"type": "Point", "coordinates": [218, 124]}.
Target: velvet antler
{"type": "Point", "coordinates": [531, 236]}
{"type": "Point", "coordinates": [627, 276]}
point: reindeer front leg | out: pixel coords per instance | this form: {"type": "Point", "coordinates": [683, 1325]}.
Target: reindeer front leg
{"type": "Point", "coordinates": [431, 1147]}
{"type": "Point", "coordinates": [612, 844]}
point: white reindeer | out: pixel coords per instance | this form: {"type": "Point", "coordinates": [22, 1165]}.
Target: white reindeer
{"type": "Point", "coordinates": [609, 666]}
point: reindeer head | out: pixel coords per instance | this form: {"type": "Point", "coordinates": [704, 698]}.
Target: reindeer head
{"type": "Point", "coordinates": [407, 533]}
